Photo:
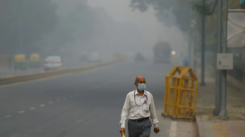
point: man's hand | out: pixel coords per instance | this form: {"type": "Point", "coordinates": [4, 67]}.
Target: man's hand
{"type": "Point", "coordinates": [156, 130]}
{"type": "Point", "coordinates": [122, 130]}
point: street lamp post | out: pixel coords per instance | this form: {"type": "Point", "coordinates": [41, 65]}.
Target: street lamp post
{"type": "Point", "coordinates": [203, 45]}
{"type": "Point", "coordinates": [21, 25]}
{"type": "Point", "coordinates": [223, 112]}
{"type": "Point", "coordinates": [219, 50]}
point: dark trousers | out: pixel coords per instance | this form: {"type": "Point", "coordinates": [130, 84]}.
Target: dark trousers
{"type": "Point", "coordinates": [139, 128]}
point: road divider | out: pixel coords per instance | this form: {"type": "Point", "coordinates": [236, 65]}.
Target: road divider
{"type": "Point", "coordinates": [51, 73]}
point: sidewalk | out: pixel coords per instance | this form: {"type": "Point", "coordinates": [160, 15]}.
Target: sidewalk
{"type": "Point", "coordinates": [175, 128]}
{"type": "Point", "coordinates": [212, 126]}
{"type": "Point", "coordinates": [220, 128]}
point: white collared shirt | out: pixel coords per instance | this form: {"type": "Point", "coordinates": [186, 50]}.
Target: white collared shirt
{"type": "Point", "coordinates": [139, 109]}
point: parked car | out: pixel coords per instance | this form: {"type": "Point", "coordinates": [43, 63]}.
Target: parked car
{"type": "Point", "coordinates": [52, 62]}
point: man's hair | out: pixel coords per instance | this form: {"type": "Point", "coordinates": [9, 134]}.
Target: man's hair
{"type": "Point", "coordinates": [136, 79]}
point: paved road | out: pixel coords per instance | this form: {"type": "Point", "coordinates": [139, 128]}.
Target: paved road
{"type": "Point", "coordinates": [87, 104]}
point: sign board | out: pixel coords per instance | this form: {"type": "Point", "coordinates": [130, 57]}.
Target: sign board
{"type": "Point", "coordinates": [241, 1]}
{"type": "Point", "coordinates": [224, 61]}
{"type": "Point", "coordinates": [236, 28]}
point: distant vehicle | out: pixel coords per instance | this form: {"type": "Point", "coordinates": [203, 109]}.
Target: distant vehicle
{"type": "Point", "coordinates": [139, 57]}
{"type": "Point", "coordinates": [20, 62]}
{"type": "Point", "coordinates": [83, 56]}
{"type": "Point", "coordinates": [94, 57]}
{"type": "Point", "coordinates": [162, 52]}
{"type": "Point", "coordinates": [34, 61]}
{"type": "Point", "coordinates": [53, 62]}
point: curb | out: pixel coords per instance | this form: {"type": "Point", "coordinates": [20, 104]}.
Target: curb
{"type": "Point", "coordinates": [236, 82]}
{"type": "Point", "coordinates": [200, 120]}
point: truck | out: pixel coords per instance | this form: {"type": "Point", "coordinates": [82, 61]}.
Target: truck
{"type": "Point", "coordinates": [162, 52]}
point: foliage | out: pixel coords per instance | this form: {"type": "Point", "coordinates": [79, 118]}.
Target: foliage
{"type": "Point", "coordinates": [211, 22]}
{"type": "Point", "coordinates": [208, 7]}
{"type": "Point", "coordinates": [180, 8]}
{"type": "Point", "coordinates": [43, 25]}
{"type": "Point", "coordinates": [187, 10]}
{"type": "Point", "coordinates": [73, 25]}
{"type": "Point", "coordinates": [24, 21]}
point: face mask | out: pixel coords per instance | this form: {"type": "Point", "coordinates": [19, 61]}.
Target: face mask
{"type": "Point", "coordinates": [141, 87]}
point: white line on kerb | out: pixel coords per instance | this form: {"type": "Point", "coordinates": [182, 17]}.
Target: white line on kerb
{"type": "Point", "coordinates": [50, 102]}
{"type": "Point", "coordinates": [7, 116]}
{"type": "Point", "coordinates": [32, 108]}
{"type": "Point", "coordinates": [173, 129]}
{"type": "Point", "coordinates": [22, 111]}
{"type": "Point", "coordinates": [42, 105]}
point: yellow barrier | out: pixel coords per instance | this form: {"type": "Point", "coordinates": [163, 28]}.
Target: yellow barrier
{"type": "Point", "coordinates": [180, 93]}
{"type": "Point", "coordinates": [187, 92]}
{"type": "Point", "coordinates": [171, 85]}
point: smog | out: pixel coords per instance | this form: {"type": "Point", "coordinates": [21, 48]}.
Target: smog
{"type": "Point", "coordinates": [66, 67]}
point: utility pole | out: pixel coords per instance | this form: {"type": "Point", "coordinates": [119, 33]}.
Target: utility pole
{"type": "Point", "coordinates": [22, 3]}
{"type": "Point", "coordinates": [219, 50]}
{"type": "Point", "coordinates": [223, 112]}
{"type": "Point", "coordinates": [203, 44]}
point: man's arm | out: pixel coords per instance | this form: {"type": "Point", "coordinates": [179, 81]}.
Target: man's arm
{"type": "Point", "coordinates": [125, 110]}
{"type": "Point", "coordinates": [153, 113]}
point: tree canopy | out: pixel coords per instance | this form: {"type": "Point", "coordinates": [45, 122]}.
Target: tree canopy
{"type": "Point", "coordinates": [75, 24]}
{"type": "Point", "coordinates": [22, 22]}
{"type": "Point", "coordinates": [185, 11]}
{"type": "Point", "coordinates": [43, 25]}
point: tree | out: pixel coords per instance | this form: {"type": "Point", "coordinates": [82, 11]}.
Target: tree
{"type": "Point", "coordinates": [181, 10]}
{"type": "Point", "coordinates": [186, 10]}
{"type": "Point", "coordinates": [22, 22]}
{"type": "Point", "coordinates": [75, 25]}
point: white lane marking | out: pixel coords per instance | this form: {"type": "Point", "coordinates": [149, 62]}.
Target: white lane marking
{"type": "Point", "coordinates": [65, 98]}
{"type": "Point", "coordinates": [32, 108]}
{"type": "Point", "coordinates": [22, 111]}
{"type": "Point", "coordinates": [42, 105]}
{"type": "Point", "coordinates": [71, 96]}
{"type": "Point", "coordinates": [7, 116]}
{"type": "Point", "coordinates": [58, 100]}
{"type": "Point", "coordinates": [173, 129]}
{"type": "Point", "coordinates": [50, 102]}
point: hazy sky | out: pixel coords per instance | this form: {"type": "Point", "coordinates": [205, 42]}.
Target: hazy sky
{"type": "Point", "coordinates": [147, 22]}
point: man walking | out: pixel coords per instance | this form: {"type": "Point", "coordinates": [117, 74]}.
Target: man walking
{"type": "Point", "coordinates": [139, 108]}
